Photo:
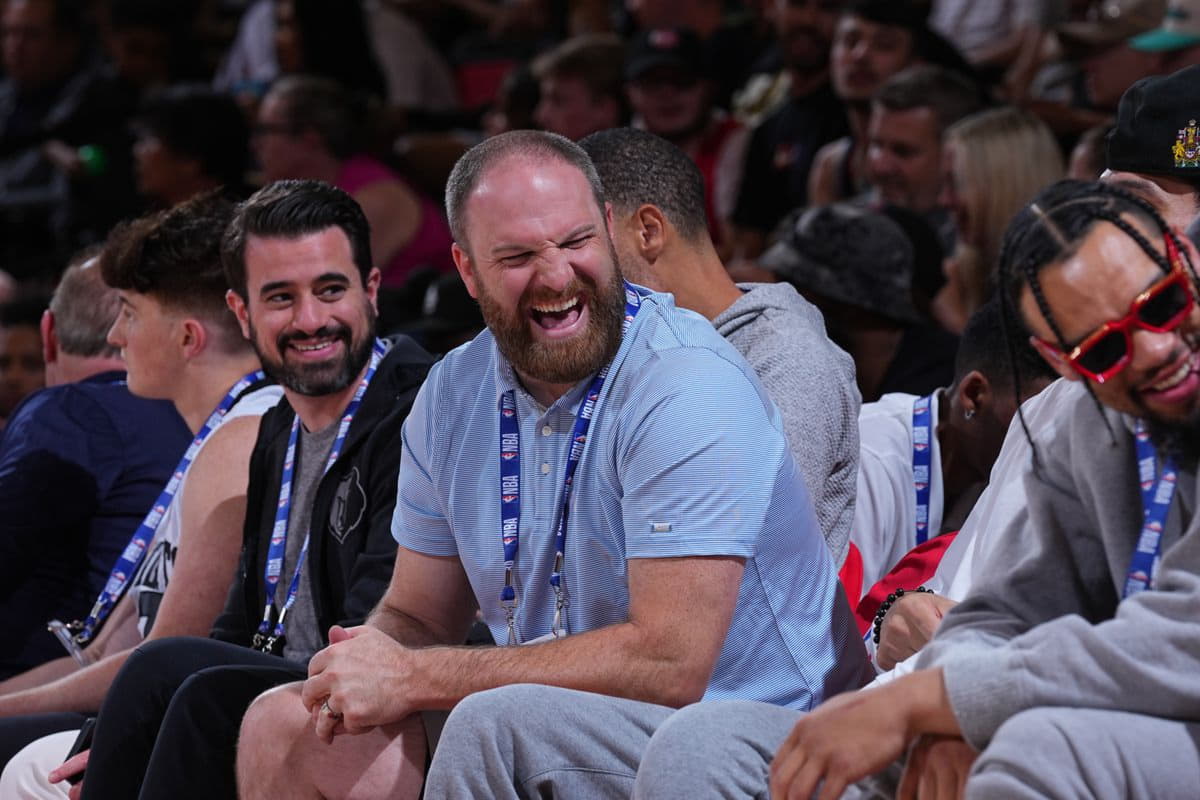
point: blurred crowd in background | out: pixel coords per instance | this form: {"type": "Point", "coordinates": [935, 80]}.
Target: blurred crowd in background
{"type": "Point", "coordinates": [932, 121]}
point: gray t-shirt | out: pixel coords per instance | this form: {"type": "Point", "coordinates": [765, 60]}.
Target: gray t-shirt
{"type": "Point", "coordinates": [304, 637]}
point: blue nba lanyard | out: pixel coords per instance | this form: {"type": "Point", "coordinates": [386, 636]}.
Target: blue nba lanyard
{"type": "Point", "coordinates": [268, 635]}
{"type": "Point", "coordinates": [922, 427]}
{"type": "Point", "coordinates": [510, 487]}
{"type": "Point", "coordinates": [131, 557]}
{"type": "Point", "coordinates": [1158, 489]}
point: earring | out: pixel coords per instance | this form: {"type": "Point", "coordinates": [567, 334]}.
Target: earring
{"type": "Point", "coordinates": [969, 413]}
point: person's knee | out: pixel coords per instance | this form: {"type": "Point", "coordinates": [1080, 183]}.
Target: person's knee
{"type": "Point", "coordinates": [1026, 749]}
{"type": "Point", "coordinates": [275, 715]}
{"type": "Point", "coordinates": [705, 744]}
{"type": "Point", "coordinates": [493, 709]}
{"type": "Point", "coordinates": [1030, 736]}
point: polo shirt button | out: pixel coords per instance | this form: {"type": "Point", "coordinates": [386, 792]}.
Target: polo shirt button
{"type": "Point", "coordinates": [547, 430]}
{"type": "Point", "coordinates": [545, 468]}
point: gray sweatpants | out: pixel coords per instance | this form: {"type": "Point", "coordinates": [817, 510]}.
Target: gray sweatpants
{"type": "Point", "coordinates": [539, 742]}
{"type": "Point", "coordinates": [1083, 754]}
{"type": "Point", "coordinates": [724, 750]}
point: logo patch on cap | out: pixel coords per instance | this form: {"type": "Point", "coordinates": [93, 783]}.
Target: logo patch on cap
{"type": "Point", "coordinates": [1187, 146]}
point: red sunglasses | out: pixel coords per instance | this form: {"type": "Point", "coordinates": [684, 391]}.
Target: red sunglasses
{"type": "Point", "coordinates": [1161, 308]}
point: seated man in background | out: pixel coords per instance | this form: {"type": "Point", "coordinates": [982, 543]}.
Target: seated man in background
{"type": "Point", "coordinates": [1073, 671]}
{"type": "Point", "coordinates": [581, 86]}
{"type": "Point", "coordinates": [316, 545]}
{"type": "Point", "coordinates": [312, 128]}
{"type": "Point", "coordinates": [856, 265]}
{"type": "Point", "coordinates": [670, 89]}
{"type": "Point", "coordinates": [80, 463]}
{"type": "Point", "coordinates": [22, 369]}
{"type": "Point", "coordinates": [688, 516]}
{"type": "Point", "coordinates": [662, 243]}
{"type": "Point", "coordinates": [180, 343]}
{"type": "Point", "coordinates": [925, 460]}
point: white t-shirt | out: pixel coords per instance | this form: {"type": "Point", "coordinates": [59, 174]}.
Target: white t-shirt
{"type": "Point", "coordinates": [150, 581]}
{"type": "Point", "coordinates": [968, 556]}
{"type": "Point", "coordinates": [885, 511]}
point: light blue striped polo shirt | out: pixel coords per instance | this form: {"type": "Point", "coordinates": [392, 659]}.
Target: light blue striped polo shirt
{"type": "Point", "coordinates": [685, 457]}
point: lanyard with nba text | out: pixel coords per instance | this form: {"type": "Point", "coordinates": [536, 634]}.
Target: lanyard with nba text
{"type": "Point", "coordinates": [131, 557]}
{"type": "Point", "coordinates": [1158, 489]}
{"type": "Point", "coordinates": [269, 633]}
{"type": "Point", "coordinates": [510, 488]}
{"type": "Point", "coordinates": [922, 428]}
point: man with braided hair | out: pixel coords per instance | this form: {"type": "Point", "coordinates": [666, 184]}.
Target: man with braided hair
{"type": "Point", "coordinates": [1072, 671]}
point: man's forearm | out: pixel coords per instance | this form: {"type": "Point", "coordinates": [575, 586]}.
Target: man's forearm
{"type": "Point", "coordinates": [82, 690]}
{"type": "Point", "coordinates": [615, 660]}
{"type": "Point", "coordinates": [405, 629]}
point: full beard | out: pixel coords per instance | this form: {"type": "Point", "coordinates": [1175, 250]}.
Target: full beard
{"type": "Point", "coordinates": [314, 380]}
{"type": "Point", "coordinates": [1177, 440]}
{"type": "Point", "coordinates": [562, 361]}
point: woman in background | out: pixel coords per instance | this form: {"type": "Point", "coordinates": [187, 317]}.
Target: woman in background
{"type": "Point", "coordinates": [994, 162]}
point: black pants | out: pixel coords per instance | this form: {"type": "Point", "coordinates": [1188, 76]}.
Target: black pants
{"type": "Point", "coordinates": [168, 727]}
{"type": "Point", "coordinates": [16, 732]}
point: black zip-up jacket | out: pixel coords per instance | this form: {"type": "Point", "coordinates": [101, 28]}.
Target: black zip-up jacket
{"type": "Point", "coordinates": [351, 550]}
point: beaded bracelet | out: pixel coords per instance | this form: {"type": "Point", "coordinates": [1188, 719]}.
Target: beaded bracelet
{"type": "Point", "coordinates": [886, 604]}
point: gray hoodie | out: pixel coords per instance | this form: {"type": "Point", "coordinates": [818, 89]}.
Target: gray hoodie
{"type": "Point", "coordinates": [1048, 626]}
{"type": "Point", "coordinates": [811, 380]}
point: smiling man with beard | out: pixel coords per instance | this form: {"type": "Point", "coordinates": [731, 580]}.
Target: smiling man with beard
{"type": "Point", "coordinates": [1070, 670]}
{"type": "Point", "coordinates": [317, 549]}
{"type": "Point", "coordinates": [691, 565]}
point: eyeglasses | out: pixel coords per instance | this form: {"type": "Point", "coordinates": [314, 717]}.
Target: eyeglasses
{"type": "Point", "coordinates": [1161, 308]}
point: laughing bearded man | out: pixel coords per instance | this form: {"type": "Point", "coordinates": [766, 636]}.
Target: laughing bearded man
{"type": "Point", "coordinates": [691, 567]}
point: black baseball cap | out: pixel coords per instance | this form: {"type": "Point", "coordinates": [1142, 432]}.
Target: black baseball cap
{"type": "Point", "coordinates": [1158, 126]}
{"type": "Point", "coordinates": [665, 47]}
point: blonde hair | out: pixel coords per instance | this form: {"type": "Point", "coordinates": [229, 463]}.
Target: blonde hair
{"type": "Point", "coordinates": [1002, 158]}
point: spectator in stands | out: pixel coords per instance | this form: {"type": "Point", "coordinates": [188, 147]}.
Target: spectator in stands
{"type": "Point", "coordinates": [179, 343]}
{"type": "Point", "coordinates": [909, 115]}
{"type": "Point", "coordinates": [670, 92]}
{"type": "Point", "coordinates": [49, 94]}
{"type": "Point", "coordinates": [730, 41]}
{"type": "Point", "coordinates": [783, 145]}
{"type": "Point", "coordinates": [662, 243]}
{"type": "Point", "coordinates": [189, 139]}
{"type": "Point", "coordinates": [1175, 44]}
{"type": "Point", "coordinates": [1002, 38]}
{"type": "Point", "coordinates": [320, 499]}
{"type": "Point", "coordinates": [1114, 619]}
{"type": "Point", "coordinates": [531, 244]}
{"type": "Point", "coordinates": [1148, 150]}
{"type": "Point", "coordinates": [994, 163]}
{"type": "Point", "coordinates": [22, 367]}
{"type": "Point", "coordinates": [415, 73]}
{"type": "Point", "coordinates": [249, 65]}
{"type": "Point", "coordinates": [80, 463]}
{"type": "Point", "coordinates": [582, 87]}
{"type": "Point", "coordinates": [874, 40]}
{"type": "Point", "coordinates": [856, 266]}
{"type": "Point", "coordinates": [515, 103]}
{"type": "Point", "coordinates": [314, 37]}
{"type": "Point", "coordinates": [151, 44]}
{"type": "Point", "coordinates": [311, 128]}
{"type": "Point", "coordinates": [963, 426]}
